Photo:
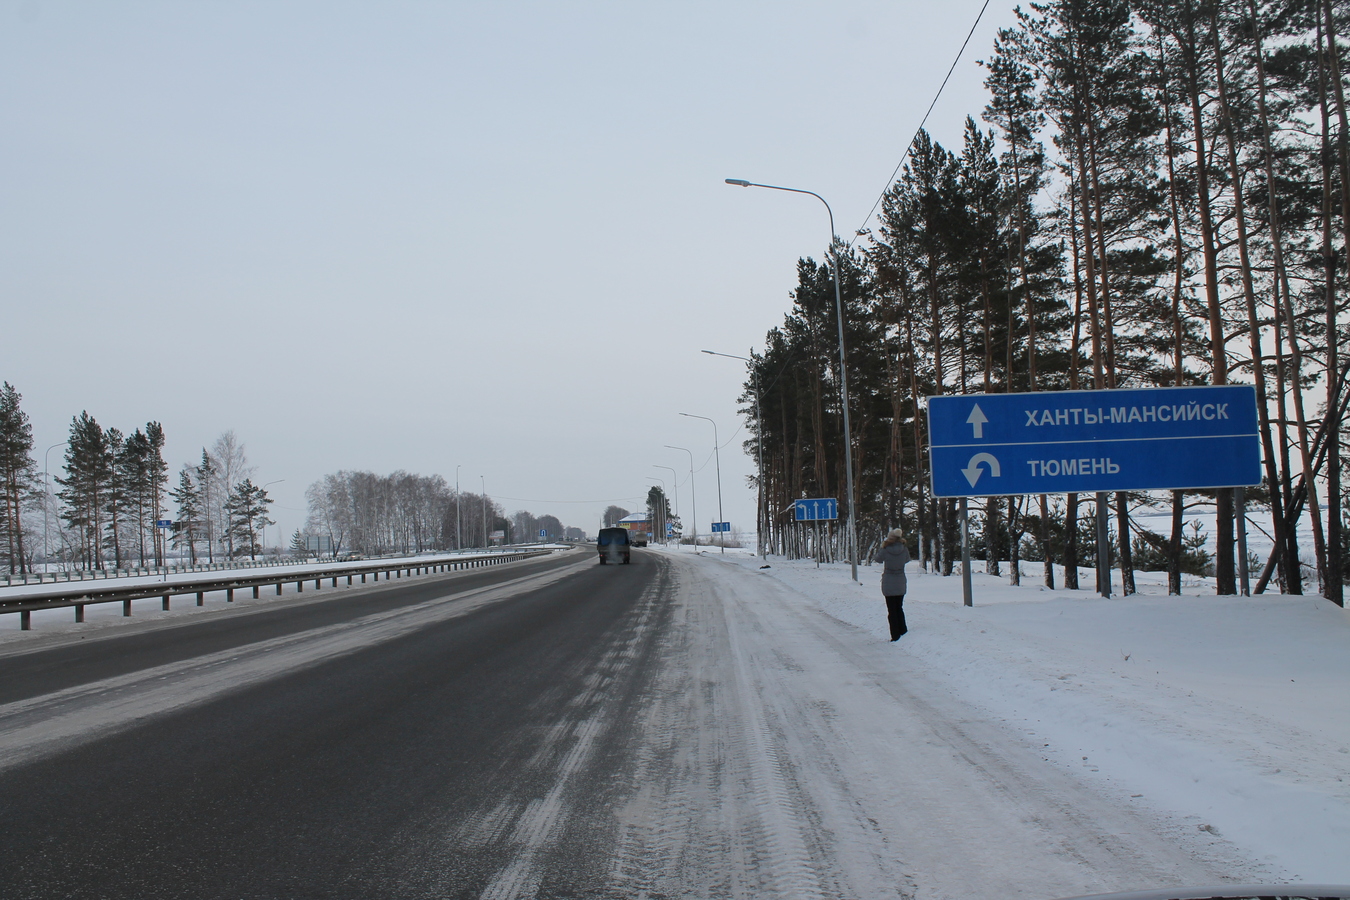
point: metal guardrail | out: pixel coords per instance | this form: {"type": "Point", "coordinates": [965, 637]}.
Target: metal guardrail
{"type": "Point", "coordinates": [22, 579]}
{"type": "Point", "coordinates": [105, 593]}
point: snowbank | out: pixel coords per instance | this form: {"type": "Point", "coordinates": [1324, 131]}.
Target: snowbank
{"type": "Point", "coordinates": [1228, 715]}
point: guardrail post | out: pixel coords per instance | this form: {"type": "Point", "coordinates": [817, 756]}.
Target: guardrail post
{"type": "Point", "coordinates": [278, 588]}
{"type": "Point", "coordinates": [318, 583]}
{"type": "Point", "coordinates": [229, 595]}
{"type": "Point", "coordinates": [126, 607]}
{"type": "Point", "coordinates": [166, 603]}
{"type": "Point", "coordinates": [79, 613]}
{"type": "Point", "coordinates": [300, 586]}
{"type": "Point", "coordinates": [349, 581]}
{"type": "Point", "coordinates": [26, 620]}
{"type": "Point", "coordinates": [201, 598]}
{"type": "Point", "coordinates": [363, 577]}
{"type": "Point", "coordinates": [255, 592]}
{"type": "Point", "coordinates": [334, 584]}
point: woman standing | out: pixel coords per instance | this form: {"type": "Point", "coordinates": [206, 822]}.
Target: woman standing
{"type": "Point", "coordinates": [893, 556]}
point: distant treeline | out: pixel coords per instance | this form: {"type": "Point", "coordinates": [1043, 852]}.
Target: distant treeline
{"type": "Point", "coordinates": [404, 513]}
{"type": "Point", "coordinates": [101, 507]}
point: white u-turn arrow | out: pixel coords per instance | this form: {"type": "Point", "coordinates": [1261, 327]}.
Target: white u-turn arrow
{"type": "Point", "coordinates": [973, 470]}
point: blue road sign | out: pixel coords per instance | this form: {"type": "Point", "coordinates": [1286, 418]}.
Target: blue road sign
{"type": "Point", "coordinates": [163, 523]}
{"type": "Point", "coordinates": [543, 533]}
{"type": "Point", "coordinates": [721, 526]}
{"type": "Point", "coordinates": [815, 510]}
{"type": "Point", "coordinates": [1053, 442]}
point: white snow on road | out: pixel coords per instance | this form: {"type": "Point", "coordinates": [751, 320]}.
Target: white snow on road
{"type": "Point", "coordinates": [1219, 726]}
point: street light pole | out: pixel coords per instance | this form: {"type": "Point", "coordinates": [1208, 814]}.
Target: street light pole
{"type": "Point", "coordinates": [457, 516]}
{"type": "Point", "coordinates": [693, 497]}
{"type": "Point", "coordinates": [674, 480]}
{"type": "Point", "coordinates": [843, 368]}
{"type": "Point", "coordinates": [659, 519]}
{"type": "Point", "coordinates": [718, 457]}
{"type": "Point", "coordinates": [278, 524]}
{"type": "Point", "coordinates": [46, 502]}
{"type": "Point", "coordinates": [483, 482]}
{"type": "Point", "coordinates": [760, 516]}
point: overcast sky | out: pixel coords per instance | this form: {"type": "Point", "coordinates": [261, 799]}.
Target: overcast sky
{"type": "Point", "coordinates": [422, 235]}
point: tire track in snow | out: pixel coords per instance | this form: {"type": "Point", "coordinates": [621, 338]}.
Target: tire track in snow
{"type": "Point", "coordinates": [718, 807]}
{"type": "Point", "coordinates": [537, 826]}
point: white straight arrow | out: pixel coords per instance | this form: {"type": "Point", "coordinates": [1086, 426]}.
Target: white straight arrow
{"type": "Point", "coordinates": [977, 419]}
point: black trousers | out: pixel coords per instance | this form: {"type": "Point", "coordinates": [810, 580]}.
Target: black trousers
{"type": "Point", "coordinates": [895, 610]}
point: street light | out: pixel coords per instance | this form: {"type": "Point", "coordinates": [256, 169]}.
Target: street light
{"type": "Point", "coordinates": [674, 480]}
{"type": "Point", "coordinates": [457, 517]}
{"type": "Point", "coordinates": [46, 502]}
{"type": "Point", "coordinates": [759, 450]}
{"type": "Point", "coordinates": [693, 497]}
{"type": "Point", "coordinates": [483, 482]}
{"type": "Point", "coordinates": [843, 367]}
{"type": "Point", "coordinates": [278, 524]}
{"type": "Point", "coordinates": [718, 457]}
{"type": "Point", "coordinates": [660, 518]}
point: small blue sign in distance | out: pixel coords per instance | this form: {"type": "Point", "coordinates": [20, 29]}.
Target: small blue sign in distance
{"type": "Point", "coordinates": [163, 523]}
{"type": "Point", "coordinates": [721, 526]}
{"type": "Point", "coordinates": [816, 509]}
{"type": "Point", "coordinates": [1054, 442]}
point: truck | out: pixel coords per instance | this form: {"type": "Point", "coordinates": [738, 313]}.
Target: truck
{"type": "Point", "coordinates": [639, 527]}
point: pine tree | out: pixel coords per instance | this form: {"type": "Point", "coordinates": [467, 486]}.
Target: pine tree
{"type": "Point", "coordinates": [89, 475]}
{"type": "Point", "coordinates": [188, 526]}
{"type": "Point", "coordinates": [18, 473]}
{"type": "Point", "coordinates": [156, 483]}
{"type": "Point", "coordinates": [205, 475]}
{"type": "Point", "coordinates": [125, 515]}
{"type": "Point", "coordinates": [247, 510]}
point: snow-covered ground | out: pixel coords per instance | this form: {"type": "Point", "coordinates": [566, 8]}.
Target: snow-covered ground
{"type": "Point", "coordinates": [1227, 718]}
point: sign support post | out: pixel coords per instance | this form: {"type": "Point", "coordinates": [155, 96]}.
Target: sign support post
{"type": "Point", "coordinates": [967, 595]}
{"type": "Point", "coordinates": [1103, 544]}
{"type": "Point", "coordinates": [1240, 501]}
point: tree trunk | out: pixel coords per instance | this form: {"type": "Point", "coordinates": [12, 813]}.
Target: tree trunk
{"type": "Point", "coordinates": [1225, 574]}
{"type": "Point", "coordinates": [1283, 312]}
{"type": "Point", "coordinates": [1332, 588]}
{"type": "Point", "coordinates": [1248, 289]}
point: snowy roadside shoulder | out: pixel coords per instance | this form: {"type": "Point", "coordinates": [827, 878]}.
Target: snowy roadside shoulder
{"type": "Point", "coordinates": [1227, 716]}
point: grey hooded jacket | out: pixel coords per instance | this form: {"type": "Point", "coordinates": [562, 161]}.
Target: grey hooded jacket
{"type": "Point", "coordinates": [893, 558]}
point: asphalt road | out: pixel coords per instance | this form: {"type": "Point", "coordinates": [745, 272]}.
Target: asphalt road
{"type": "Point", "coordinates": [684, 726]}
{"type": "Point", "coordinates": [449, 759]}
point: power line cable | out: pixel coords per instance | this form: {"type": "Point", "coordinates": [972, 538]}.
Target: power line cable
{"type": "Point", "coordinates": [533, 500]}
{"type": "Point", "coordinates": [923, 122]}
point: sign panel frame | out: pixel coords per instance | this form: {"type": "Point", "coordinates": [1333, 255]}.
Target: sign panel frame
{"type": "Point", "coordinates": [1055, 442]}
{"type": "Point", "coordinates": [815, 509]}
